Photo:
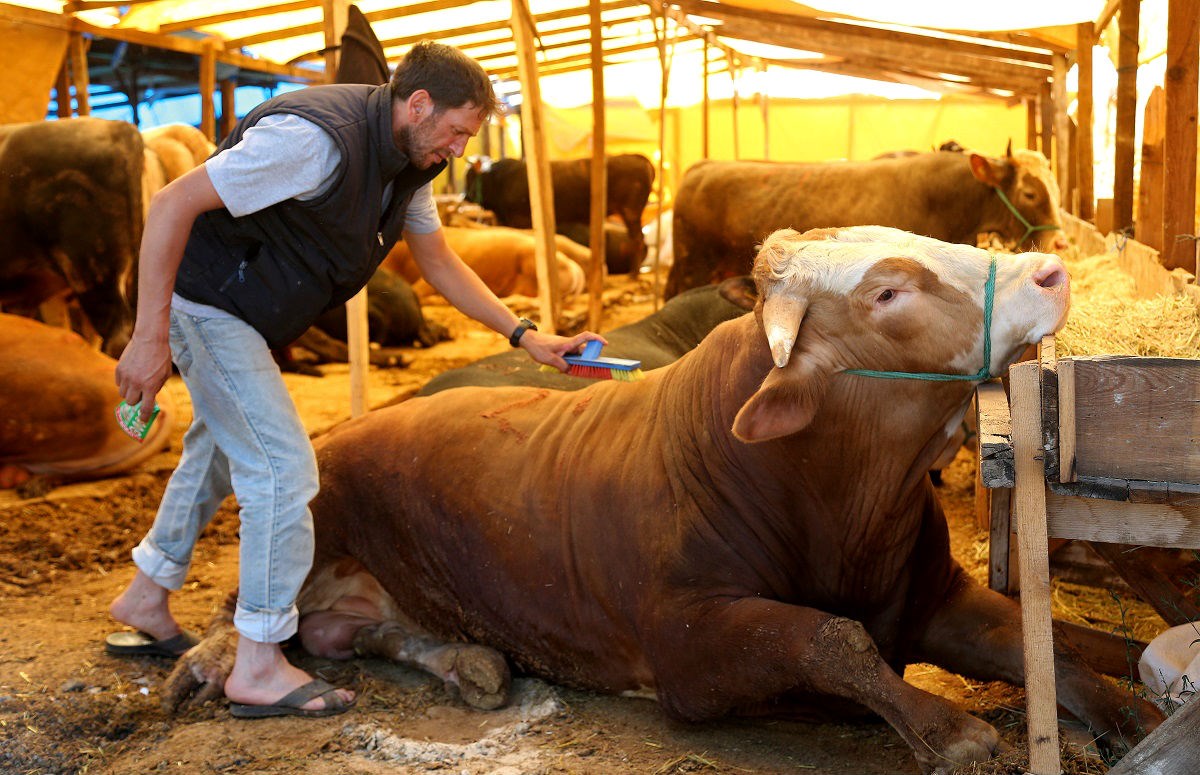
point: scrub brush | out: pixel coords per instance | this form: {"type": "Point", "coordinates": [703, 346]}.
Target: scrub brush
{"type": "Point", "coordinates": [590, 364]}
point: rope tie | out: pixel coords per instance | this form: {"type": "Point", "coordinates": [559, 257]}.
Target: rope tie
{"type": "Point", "coordinates": [1029, 228]}
{"type": "Point", "coordinates": [985, 371]}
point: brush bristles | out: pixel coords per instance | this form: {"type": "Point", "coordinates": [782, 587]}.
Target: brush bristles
{"type": "Point", "coordinates": [599, 372]}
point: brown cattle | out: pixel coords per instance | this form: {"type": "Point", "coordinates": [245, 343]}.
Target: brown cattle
{"type": "Point", "coordinates": [71, 216]}
{"type": "Point", "coordinates": [725, 209]}
{"type": "Point", "coordinates": [57, 398]}
{"type": "Point", "coordinates": [749, 528]}
{"type": "Point", "coordinates": [503, 258]}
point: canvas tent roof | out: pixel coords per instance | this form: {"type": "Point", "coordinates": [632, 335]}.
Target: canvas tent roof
{"type": "Point", "coordinates": [998, 50]}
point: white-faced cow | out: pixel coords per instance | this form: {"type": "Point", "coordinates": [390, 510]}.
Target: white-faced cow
{"type": "Point", "coordinates": [724, 209]}
{"type": "Point", "coordinates": [750, 527]}
{"type": "Point", "coordinates": [71, 216]}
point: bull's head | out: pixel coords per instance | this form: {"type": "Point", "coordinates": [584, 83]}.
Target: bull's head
{"type": "Point", "coordinates": [1028, 199]}
{"type": "Point", "coordinates": [877, 303]}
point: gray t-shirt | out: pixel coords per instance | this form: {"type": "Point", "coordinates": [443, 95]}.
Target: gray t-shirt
{"type": "Point", "coordinates": [284, 156]}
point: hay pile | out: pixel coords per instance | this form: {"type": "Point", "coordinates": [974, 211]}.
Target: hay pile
{"type": "Point", "coordinates": [1106, 318]}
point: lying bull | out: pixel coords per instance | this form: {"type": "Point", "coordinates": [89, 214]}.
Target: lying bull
{"type": "Point", "coordinates": [71, 215]}
{"type": "Point", "coordinates": [505, 259]}
{"type": "Point", "coordinates": [656, 341]}
{"type": "Point", "coordinates": [724, 209]}
{"type": "Point", "coordinates": [749, 528]}
{"type": "Point", "coordinates": [57, 398]}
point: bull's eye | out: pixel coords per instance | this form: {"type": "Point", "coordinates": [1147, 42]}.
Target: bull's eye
{"type": "Point", "coordinates": [886, 296]}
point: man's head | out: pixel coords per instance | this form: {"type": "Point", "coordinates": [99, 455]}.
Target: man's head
{"type": "Point", "coordinates": [441, 97]}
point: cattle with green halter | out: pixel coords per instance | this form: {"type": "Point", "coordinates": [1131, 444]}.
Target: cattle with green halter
{"type": "Point", "coordinates": [725, 209]}
{"type": "Point", "coordinates": [749, 529]}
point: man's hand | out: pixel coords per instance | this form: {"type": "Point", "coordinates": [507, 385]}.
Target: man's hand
{"type": "Point", "coordinates": [142, 371]}
{"type": "Point", "coordinates": [549, 349]}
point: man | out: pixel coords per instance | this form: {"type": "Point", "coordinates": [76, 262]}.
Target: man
{"type": "Point", "coordinates": [290, 217]}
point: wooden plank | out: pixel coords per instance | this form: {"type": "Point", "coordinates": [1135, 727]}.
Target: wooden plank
{"type": "Point", "coordinates": [1031, 123]}
{"type": "Point", "coordinates": [1149, 227]}
{"type": "Point", "coordinates": [994, 436]}
{"type": "Point", "coordinates": [999, 538]}
{"type": "Point", "coordinates": [537, 165]}
{"type": "Point", "coordinates": [1127, 65]}
{"type": "Point", "coordinates": [1154, 588]}
{"type": "Point", "coordinates": [208, 86]}
{"type": "Point", "coordinates": [1169, 750]}
{"type": "Point", "coordinates": [62, 88]}
{"type": "Point", "coordinates": [232, 16]}
{"type": "Point", "coordinates": [1137, 418]}
{"type": "Point", "coordinates": [1062, 134]}
{"type": "Point", "coordinates": [595, 280]}
{"type": "Point", "coordinates": [1048, 362]}
{"type": "Point", "coordinates": [1182, 82]}
{"type": "Point", "coordinates": [1110, 10]}
{"type": "Point", "coordinates": [1066, 420]}
{"type": "Point", "coordinates": [1046, 122]}
{"type": "Point", "coordinates": [319, 27]}
{"type": "Point", "coordinates": [79, 74]}
{"type": "Point", "coordinates": [1085, 156]}
{"type": "Point", "coordinates": [1029, 507]}
{"type": "Point", "coordinates": [1123, 522]}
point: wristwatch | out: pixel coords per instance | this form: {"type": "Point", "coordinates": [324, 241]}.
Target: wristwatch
{"type": "Point", "coordinates": [524, 325]}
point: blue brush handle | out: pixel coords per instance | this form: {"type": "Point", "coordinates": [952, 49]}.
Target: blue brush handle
{"type": "Point", "coordinates": [591, 350]}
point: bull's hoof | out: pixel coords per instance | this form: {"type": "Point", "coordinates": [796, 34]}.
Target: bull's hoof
{"type": "Point", "coordinates": [974, 741]}
{"type": "Point", "coordinates": [481, 675]}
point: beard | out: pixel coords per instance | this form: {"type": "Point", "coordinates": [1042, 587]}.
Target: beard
{"type": "Point", "coordinates": [416, 142]}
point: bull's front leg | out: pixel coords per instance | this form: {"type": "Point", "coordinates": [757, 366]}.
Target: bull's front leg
{"type": "Point", "coordinates": [977, 633]}
{"type": "Point", "coordinates": [199, 675]}
{"type": "Point", "coordinates": [480, 673]}
{"type": "Point", "coordinates": [741, 653]}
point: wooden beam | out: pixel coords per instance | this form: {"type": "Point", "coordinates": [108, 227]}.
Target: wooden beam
{"type": "Point", "coordinates": [1047, 121]}
{"type": "Point", "coordinates": [546, 49]}
{"type": "Point", "coordinates": [228, 106]}
{"type": "Point", "coordinates": [501, 40]}
{"type": "Point", "coordinates": [62, 87]}
{"type": "Point", "coordinates": [75, 6]}
{"type": "Point", "coordinates": [705, 106]}
{"type": "Point", "coordinates": [1031, 123]}
{"type": "Point", "coordinates": [1110, 10]}
{"type": "Point", "coordinates": [1183, 57]}
{"type": "Point", "coordinates": [1062, 133]}
{"type": "Point", "coordinates": [537, 165]}
{"type": "Point", "coordinates": [599, 182]}
{"type": "Point", "coordinates": [557, 66]}
{"type": "Point", "coordinates": [318, 27]}
{"type": "Point", "coordinates": [232, 16]}
{"type": "Point", "coordinates": [1127, 66]}
{"type": "Point", "coordinates": [1083, 138]}
{"type": "Point", "coordinates": [208, 86]}
{"type": "Point", "coordinates": [79, 73]}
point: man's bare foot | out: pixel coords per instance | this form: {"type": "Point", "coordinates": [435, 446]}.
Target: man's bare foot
{"type": "Point", "coordinates": [262, 676]}
{"type": "Point", "coordinates": [143, 605]}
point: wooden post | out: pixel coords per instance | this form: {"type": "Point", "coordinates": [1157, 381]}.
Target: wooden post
{"type": "Point", "coordinates": [1029, 507]}
{"type": "Point", "coordinates": [1179, 210]}
{"type": "Point", "coordinates": [1031, 123]}
{"type": "Point", "coordinates": [1070, 195]}
{"type": "Point", "coordinates": [1047, 122]}
{"type": "Point", "coordinates": [706, 106]}
{"type": "Point", "coordinates": [537, 164]}
{"type": "Point", "coordinates": [1127, 65]}
{"type": "Point", "coordinates": [766, 121]}
{"type": "Point", "coordinates": [595, 278]}
{"type": "Point", "coordinates": [228, 108]}
{"type": "Point", "coordinates": [1083, 138]}
{"type": "Point", "coordinates": [79, 74]}
{"type": "Point", "coordinates": [1062, 134]}
{"type": "Point", "coordinates": [1149, 227]}
{"type": "Point", "coordinates": [208, 85]}
{"type": "Point", "coordinates": [62, 88]}
{"type": "Point", "coordinates": [737, 151]}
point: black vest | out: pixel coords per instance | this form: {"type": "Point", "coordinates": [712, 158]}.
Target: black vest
{"type": "Point", "coordinates": [281, 267]}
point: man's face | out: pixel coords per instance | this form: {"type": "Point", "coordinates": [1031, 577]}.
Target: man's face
{"type": "Point", "coordinates": [434, 137]}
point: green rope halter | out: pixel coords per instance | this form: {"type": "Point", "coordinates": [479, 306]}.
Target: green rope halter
{"type": "Point", "coordinates": [985, 371]}
{"type": "Point", "coordinates": [1029, 228]}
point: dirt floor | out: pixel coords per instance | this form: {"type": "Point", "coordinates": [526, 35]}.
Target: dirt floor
{"type": "Point", "coordinates": [66, 707]}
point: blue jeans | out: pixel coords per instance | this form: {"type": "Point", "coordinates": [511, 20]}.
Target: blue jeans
{"type": "Point", "coordinates": [246, 438]}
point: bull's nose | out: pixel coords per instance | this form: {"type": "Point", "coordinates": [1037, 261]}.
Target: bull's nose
{"type": "Point", "coordinates": [1052, 275]}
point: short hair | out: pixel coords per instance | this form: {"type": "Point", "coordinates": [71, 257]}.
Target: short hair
{"type": "Point", "coordinates": [452, 78]}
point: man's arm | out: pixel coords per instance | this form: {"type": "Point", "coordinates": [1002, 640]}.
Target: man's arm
{"type": "Point", "coordinates": [146, 362]}
{"type": "Point", "coordinates": [445, 271]}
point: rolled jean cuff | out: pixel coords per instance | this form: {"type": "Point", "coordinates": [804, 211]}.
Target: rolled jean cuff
{"type": "Point", "coordinates": [161, 569]}
{"type": "Point", "coordinates": [263, 626]}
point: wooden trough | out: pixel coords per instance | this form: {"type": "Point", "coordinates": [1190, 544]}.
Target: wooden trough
{"type": "Point", "coordinates": [1100, 449]}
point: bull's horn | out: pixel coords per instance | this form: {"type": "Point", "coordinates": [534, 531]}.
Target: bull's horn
{"type": "Point", "coordinates": [781, 319]}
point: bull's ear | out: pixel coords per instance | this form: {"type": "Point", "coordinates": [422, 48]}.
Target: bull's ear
{"type": "Point", "coordinates": [785, 404]}
{"type": "Point", "coordinates": [982, 169]}
{"type": "Point", "coordinates": [1008, 151]}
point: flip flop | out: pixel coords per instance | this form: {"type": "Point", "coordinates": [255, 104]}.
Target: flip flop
{"type": "Point", "coordinates": [292, 703]}
{"type": "Point", "coordinates": [140, 644]}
